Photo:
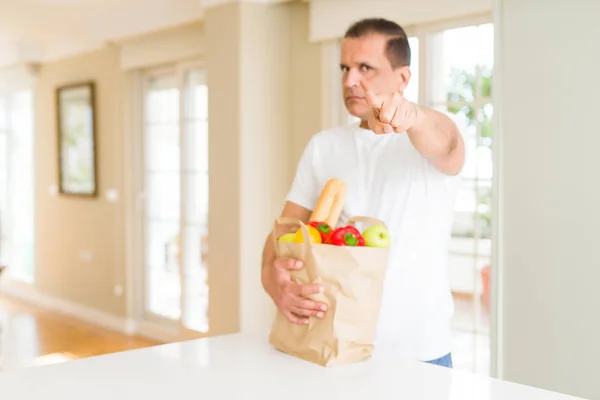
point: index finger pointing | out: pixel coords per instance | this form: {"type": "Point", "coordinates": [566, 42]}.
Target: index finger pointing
{"type": "Point", "coordinates": [370, 96]}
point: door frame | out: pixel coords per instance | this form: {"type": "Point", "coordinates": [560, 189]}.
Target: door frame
{"type": "Point", "coordinates": [140, 320]}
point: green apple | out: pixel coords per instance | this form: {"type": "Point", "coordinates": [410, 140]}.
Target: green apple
{"type": "Point", "coordinates": [377, 236]}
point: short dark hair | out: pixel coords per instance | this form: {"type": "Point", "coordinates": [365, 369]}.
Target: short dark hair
{"type": "Point", "coordinates": [397, 48]}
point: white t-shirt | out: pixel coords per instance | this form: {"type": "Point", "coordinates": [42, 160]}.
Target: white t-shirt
{"type": "Point", "coordinates": [388, 179]}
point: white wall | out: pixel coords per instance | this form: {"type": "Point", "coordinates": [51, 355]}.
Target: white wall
{"type": "Point", "coordinates": [551, 198]}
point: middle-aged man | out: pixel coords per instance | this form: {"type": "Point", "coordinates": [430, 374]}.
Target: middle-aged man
{"type": "Point", "coordinates": [401, 164]}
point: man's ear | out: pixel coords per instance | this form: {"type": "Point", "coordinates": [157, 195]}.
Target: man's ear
{"type": "Point", "coordinates": [403, 74]}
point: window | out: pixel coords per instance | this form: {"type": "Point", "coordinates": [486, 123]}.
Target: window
{"type": "Point", "coordinates": [176, 196]}
{"type": "Point", "coordinates": [17, 185]}
{"type": "Point", "coordinates": [461, 72]}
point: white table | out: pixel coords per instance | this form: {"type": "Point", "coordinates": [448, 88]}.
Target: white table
{"type": "Point", "coordinates": [246, 367]}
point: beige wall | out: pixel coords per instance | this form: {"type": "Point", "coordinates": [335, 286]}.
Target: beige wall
{"type": "Point", "coordinates": [224, 97]}
{"type": "Point", "coordinates": [264, 137]}
{"type": "Point", "coordinates": [548, 105]}
{"type": "Point", "coordinates": [79, 242]}
{"type": "Point", "coordinates": [305, 85]}
{"type": "Point", "coordinates": [264, 106]}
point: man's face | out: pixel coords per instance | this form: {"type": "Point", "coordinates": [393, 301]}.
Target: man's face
{"type": "Point", "coordinates": [365, 58]}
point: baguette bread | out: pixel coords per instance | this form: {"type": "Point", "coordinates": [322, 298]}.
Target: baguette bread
{"type": "Point", "coordinates": [330, 203]}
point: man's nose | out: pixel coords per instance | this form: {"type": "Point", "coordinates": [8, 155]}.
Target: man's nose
{"type": "Point", "coordinates": [352, 78]}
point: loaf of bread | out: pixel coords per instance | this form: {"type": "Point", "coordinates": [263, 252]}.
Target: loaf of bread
{"type": "Point", "coordinates": [330, 203]}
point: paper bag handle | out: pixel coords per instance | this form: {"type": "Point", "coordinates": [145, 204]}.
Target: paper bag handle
{"type": "Point", "coordinates": [368, 220]}
{"type": "Point", "coordinates": [289, 220]}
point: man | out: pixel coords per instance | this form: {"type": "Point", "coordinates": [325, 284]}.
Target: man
{"type": "Point", "coordinates": [401, 165]}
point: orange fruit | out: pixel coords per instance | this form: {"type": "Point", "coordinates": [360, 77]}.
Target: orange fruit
{"type": "Point", "coordinates": [315, 235]}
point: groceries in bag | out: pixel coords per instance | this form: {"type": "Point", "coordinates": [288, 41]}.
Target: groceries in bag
{"type": "Point", "coordinates": [350, 265]}
{"type": "Point", "coordinates": [324, 218]}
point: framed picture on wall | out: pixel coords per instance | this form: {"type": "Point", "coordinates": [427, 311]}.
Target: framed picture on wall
{"type": "Point", "coordinates": [76, 118]}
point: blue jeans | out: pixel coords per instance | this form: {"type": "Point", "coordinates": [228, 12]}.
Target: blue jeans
{"type": "Point", "coordinates": [445, 361]}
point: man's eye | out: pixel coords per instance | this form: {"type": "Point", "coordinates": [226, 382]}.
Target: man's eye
{"type": "Point", "coordinates": [365, 68]}
{"type": "Point", "coordinates": [344, 69]}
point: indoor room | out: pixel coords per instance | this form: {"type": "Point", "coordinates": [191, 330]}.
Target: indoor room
{"type": "Point", "coordinates": [148, 146]}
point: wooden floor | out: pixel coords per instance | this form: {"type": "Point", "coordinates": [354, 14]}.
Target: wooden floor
{"type": "Point", "coordinates": [30, 336]}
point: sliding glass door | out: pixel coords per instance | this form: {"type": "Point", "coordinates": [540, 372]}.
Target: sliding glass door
{"type": "Point", "coordinates": [176, 197]}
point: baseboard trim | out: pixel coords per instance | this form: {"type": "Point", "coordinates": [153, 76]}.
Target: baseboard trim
{"type": "Point", "coordinates": [29, 295]}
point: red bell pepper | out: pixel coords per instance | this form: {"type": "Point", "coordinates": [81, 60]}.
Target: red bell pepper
{"type": "Point", "coordinates": [347, 236]}
{"type": "Point", "coordinates": [324, 229]}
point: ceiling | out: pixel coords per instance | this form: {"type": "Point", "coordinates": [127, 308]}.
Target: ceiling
{"type": "Point", "coordinates": [46, 30]}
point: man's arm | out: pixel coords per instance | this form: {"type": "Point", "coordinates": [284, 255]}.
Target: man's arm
{"type": "Point", "coordinates": [432, 133]}
{"type": "Point", "coordinates": [292, 299]}
{"type": "Point", "coordinates": [438, 139]}
{"type": "Point", "coordinates": [290, 210]}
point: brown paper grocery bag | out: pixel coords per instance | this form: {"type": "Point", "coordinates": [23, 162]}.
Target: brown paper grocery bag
{"type": "Point", "coordinates": [353, 280]}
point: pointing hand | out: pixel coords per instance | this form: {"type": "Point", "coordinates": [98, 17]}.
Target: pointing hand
{"type": "Point", "coordinates": [390, 112]}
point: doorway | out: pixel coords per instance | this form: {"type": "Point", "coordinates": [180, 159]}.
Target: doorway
{"type": "Point", "coordinates": [174, 286]}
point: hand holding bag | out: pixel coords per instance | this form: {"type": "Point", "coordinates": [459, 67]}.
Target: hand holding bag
{"type": "Point", "coordinates": [353, 279]}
